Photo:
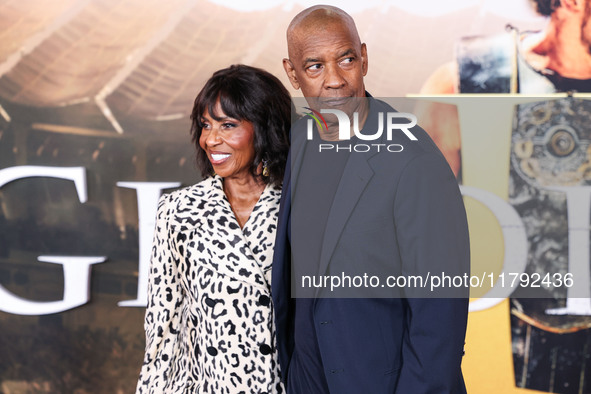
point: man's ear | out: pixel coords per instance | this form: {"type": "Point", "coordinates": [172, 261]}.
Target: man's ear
{"type": "Point", "coordinates": [290, 71]}
{"type": "Point", "coordinates": [573, 5]}
{"type": "Point", "coordinates": [364, 63]}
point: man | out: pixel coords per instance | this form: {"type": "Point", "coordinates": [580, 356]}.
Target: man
{"type": "Point", "coordinates": [361, 211]}
{"type": "Point", "coordinates": [556, 59]}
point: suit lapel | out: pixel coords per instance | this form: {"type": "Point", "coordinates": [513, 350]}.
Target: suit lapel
{"type": "Point", "coordinates": [356, 175]}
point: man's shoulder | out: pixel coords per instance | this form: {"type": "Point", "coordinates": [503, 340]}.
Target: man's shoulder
{"type": "Point", "coordinates": [406, 149]}
{"type": "Point", "coordinates": [412, 141]}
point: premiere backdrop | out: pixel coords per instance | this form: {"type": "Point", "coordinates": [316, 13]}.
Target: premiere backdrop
{"type": "Point", "coordinates": [94, 104]}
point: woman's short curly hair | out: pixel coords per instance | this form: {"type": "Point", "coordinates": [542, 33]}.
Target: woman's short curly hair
{"type": "Point", "coordinates": [546, 7]}
{"type": "Point", "coordinates": [251, 94]}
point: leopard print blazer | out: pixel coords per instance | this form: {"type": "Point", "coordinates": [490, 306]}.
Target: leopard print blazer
{"type": "Point", "coordinates": [209, 321]}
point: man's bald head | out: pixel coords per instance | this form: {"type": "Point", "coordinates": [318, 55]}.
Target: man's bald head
{"type": "Point", "coordinates": [326, 56]}
{"type": "Point", "coordinates": [315, 20]}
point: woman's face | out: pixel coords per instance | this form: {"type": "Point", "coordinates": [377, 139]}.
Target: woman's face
{"type": "Point", "coordinates": [228, 143]}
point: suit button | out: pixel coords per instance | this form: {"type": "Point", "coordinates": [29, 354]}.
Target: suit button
{"type": "Point", "coordinates": [265, 349]}
{"type": "Point", "coordinates": [264, 300]}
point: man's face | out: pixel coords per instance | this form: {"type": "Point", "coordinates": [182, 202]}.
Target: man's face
{"type": "Point", "coordinates": [328, 62]}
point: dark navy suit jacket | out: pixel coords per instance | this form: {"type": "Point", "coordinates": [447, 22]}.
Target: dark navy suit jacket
{"type": "Point", "coordinates": [404, 209]}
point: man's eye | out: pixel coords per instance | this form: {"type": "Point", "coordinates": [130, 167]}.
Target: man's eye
{"type": "Point", "coordinates": [314, 67]}
{"type": "Point", "coordinates": [347, 60]}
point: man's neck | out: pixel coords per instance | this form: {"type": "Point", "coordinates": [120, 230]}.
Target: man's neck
{"type": "Point", "coordinates": [559, 48]}
{"type": "Point", "coordinates": [332, 134]}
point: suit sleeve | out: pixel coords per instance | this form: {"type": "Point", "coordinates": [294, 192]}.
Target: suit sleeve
{"type": "Point", "coordinates": [163, 314]}
{"type": "Point", "coordinates": [432, 234]}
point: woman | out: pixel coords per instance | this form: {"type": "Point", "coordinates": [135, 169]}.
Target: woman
{"type": "Point", "coordinates": [209, 321]}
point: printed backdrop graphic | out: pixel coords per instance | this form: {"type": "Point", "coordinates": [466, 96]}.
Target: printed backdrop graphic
{"type": "Point", "coordinates": [549, 180]}
{"type": "Point", "coordinates": [47, 344]}
{"type": "Point", "coordinates": [94, 104]}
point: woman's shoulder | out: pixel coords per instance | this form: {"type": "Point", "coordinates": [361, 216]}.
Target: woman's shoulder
{"type": "Point", "coordinates": [198, 191]}
{"type": "Point", "coordinates": [182, 205]}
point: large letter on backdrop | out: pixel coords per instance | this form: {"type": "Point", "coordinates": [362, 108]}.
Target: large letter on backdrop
{"type": "Point", "coordinates": [148, 194]}
{"type": "Point", "coordinates": [76, 268]}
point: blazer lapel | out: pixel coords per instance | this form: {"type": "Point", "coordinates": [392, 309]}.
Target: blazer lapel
{"type": "Point", "coordinates": [254, 257]}
{"type": "Point", "coordinates": [259, 230]}
{"type": "Point", "coordinates": [356, 175]}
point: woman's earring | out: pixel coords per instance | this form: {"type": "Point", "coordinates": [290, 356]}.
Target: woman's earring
{"type": "Point", "coordinates": [265, 168]}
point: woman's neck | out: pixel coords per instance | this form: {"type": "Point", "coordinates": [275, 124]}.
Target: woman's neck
{"type": "Point", "coordinates": [243, 194]}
